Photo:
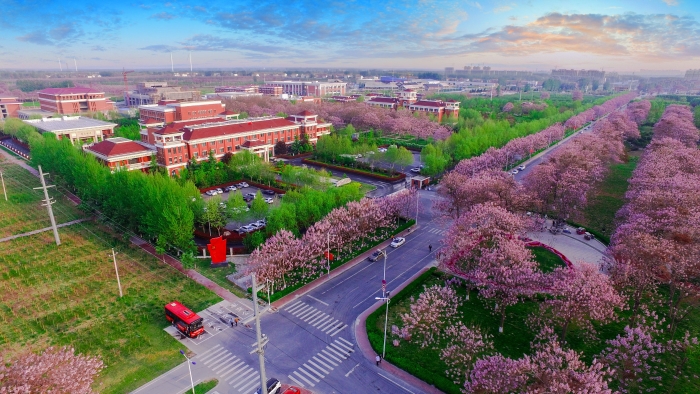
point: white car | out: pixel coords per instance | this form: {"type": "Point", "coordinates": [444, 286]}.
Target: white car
{"type": "Point", "coordinates": [522, 167]}
{"type": "Point", "coordinates": [381, 150]}
{"type": "Point", "coordinates": [219, 191]}
{"type": "Point", "coordinates": [243, 184]}
{"type": "Point", "coordinates": [514, 172]}
{"type": "Point", "coordinates": [415, 170]}
{"type": "Point", "coordinates": [231, 189]}
{"type": "Point", "coordinates": [268, 200]}
{"type": "Point", "coordinates": [398, 241]}
{"type": "Point", "coordinates": [210, 192]}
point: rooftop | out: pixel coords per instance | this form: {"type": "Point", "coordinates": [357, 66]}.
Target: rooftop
{"type": "Point", "coordinates": [67, 123]}
{"type": "Point", "coordinates": [118, 146]}
{"type": "Point", "coordinates": [429, 103]}
{"type": "Point", "coordinates": [232, 127]}
{"type": "Point", "coordinates": [69, 91]}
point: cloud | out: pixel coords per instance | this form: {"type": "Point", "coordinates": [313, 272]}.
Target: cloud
{"type": "Point", "coordinates": [62, 31]}
{"type": "Point", "coordinates": [474, 4]}
{"type": "Point", "coordinates": [502, 8]}
{"type": "Point", "coordinates": [645, 36]}
{"type": "Point", "coordinates": [199, 8]}
{"type": "Point", "coordinates": [160, 48]}
{"type": "Point", "coordinates": [206, 42]}
{"type": "Point", "coordinates": [98, 48]}
{"type": "Point", "coordinates": [163, 16]}
{"type": "Point", "coordinates": [670, 2]}
{"type": "Point", "coordinates": [36, 37]}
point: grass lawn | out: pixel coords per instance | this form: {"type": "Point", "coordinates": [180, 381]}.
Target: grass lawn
{"type": "Point", "coordinates": [218, 275]}
{"type": "Point", "coordinates": [205, 387]}
{"type": "Point", "coordinates": [366, 188]}
{"type": "Point", "coordinates": [548, 261]}
{"type": "Point", "coordinates": [514, 342]}
{"type": "Point", "coordinates": [67, 295]}
{"type": "Point", "coordinates": [608, 198]}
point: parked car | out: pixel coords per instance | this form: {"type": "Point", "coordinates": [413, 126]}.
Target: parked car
{"type": "Point", "coordinates": [243, 184]}
{"type": "Point", "coordinates": [515, 171]}
{"type": "Point", "coordinates": [273, 387]}
{"type": "Point", "coordinates": [588, 236]}
{"type": "Point", "coordinates": [398, 241]}
{"type": "Point", "coordinates": [268, 192]}
{"type": "Point", "coordinates": [566, 230]}
{"type": "Point", "coordinates": [292, 390]}
{"type": "Point", "coordinates": [219, 191]}
{"type": "Point", "coordinates": [580, 231]}
{"type": "Point", "coordinates": [269, 200]}
{"type": "Point", "coordinates": [255, 226]}
{"type": "Point", "coordinates": [230, 189]}
{"type": "Point", "coordinates": [250, 195]}
{"type": "Point", "coordinates": [415, 170]}
{"type": "Point", "coordinates": [261, 223]}
{"type": "Point", "coordinates": [248, 199]}
{"type": "Point", "coordinates": [522, 167]}
{"type": "Point", "coordinates": [381, 150]}
{"type": "Point", "coordinates": [376, 255]}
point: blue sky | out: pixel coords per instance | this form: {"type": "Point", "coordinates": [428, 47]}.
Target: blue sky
{"type": "Point", "coordinates": [624, 35]}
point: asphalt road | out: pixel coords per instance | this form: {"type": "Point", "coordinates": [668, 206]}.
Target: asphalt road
{"type": "Point", "coordinates": [312, 341]}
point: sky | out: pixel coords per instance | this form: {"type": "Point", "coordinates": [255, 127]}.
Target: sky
{"type": "Point", "coordinates": [623, 35]}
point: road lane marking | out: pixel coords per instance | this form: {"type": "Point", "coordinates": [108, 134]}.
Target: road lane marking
{"type": "Point", "coordinates": [312, 316]}
{"type": "Point", "coordinates": [346, 341]}
{"type": "Point", "coordinates": [224, 362]}
{"type": "Point", "coordinates": [327, 359]}
{"type": "Point", "coordinates": [234, 366]}
{"type": "Point", "coordinates": [250, 385]}
{"type": "Point", "coordinates": [329, 354]}
{"type": "Point", "coordinates": [342, 349]}
{"type": "Point", "coordinates": [217, 359]}
{"type": "Point", "coordinates": [212, 356]}
{"type": "Point", "coordinates": [318, 319]}
{"type": "Point", "coordinates": [312, 297]}
{"type": "Point", "coordinates": [303, 378]}
{"type": "Point", "coordinates": [351, 371]}
{"type": "Point", "coordinates": [300, 369]}
{"type": "Point", "coordinates": [296, 381]}
{"type": "Point", "coordinates": [322, 363]}
{"type": "Point", "coordinates": [382, 375]}
{"type": "Point", "coordinates": [317, 366]}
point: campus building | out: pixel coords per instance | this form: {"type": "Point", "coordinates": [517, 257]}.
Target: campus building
{"type": "Point", "coordinates": [383, 102]}
{"type": "Point", "coordinates": [147, 93]}
{"type": "Point", "coordinates": [78, 129]}
{"type": "Point", "coordinates": [121, 153]}
{"type": "Point", "coordinates": [168, 111]}
{"type": "Point", "coordinates": [9, 107]}
{"type": "Point", "coordinates": [238, 89]}
{"type": "Point", "coordinates": [271, 90]}
{"type": "Point", "coordinates": [436, 108]}
{"type": "Point", "coordinates": [314, 89]}
{"type": "Point", "coordinates": [68, 101]}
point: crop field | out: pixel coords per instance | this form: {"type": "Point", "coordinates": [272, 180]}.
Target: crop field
{"type": "Point", "coordinates": [68, 294]}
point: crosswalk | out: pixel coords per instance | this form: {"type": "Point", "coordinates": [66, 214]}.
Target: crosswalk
{"type": "Point", "coordinates": [438, 231]}
{"type": "Point", "coordinates": [316, 318]}
{"type": "Point", "coordinates": [233, 370]}
{"type": "Point", "coordinates": [320, 365]}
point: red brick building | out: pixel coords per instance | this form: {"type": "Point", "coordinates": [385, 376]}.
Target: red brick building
{"type": "Point", "coordinates": [309, 125]}
{"type": "Point", "coordinates": [239, 89]}
{"type": "Point", "coordinates": [383, 102]}
{"type": "Point", "coordinates": [9, 107]}
{"type": "Point", "coordinates": [67, 101]}
{"type": "Point", "coordinates": [168, 111]}
{"type": "Point", "coordinates": [122, 153]}
{"type": "Point", "coordinates": [436, 108]}
{"type": "Point", "coordinates": [270, 90]}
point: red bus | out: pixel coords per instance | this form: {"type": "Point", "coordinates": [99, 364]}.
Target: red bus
{"type": "Point", "coordinates": [186, 321]}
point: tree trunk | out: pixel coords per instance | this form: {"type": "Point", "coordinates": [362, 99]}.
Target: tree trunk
{"type": "Point", "coordinates": [564, 331]}
{"type": "Point", "coordinates": [503, 318]}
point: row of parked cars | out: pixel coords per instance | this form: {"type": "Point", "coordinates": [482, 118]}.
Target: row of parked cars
{"type": "Point", "coordinates": [249, 228]}
{"type": "Point", "coordinates": [233, 188]}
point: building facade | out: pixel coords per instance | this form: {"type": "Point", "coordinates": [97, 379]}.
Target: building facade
{"type": "Point", "coordinates": [68, 101]}
{"type": "Point", "coordinates": [436, 108]}
{"type": "Point", "coordinates": [271, 90]}
{"type": "Point", "coordinates": [148, 93]}
{"type": "Point", "coordinates": [315, 89]}
{"type": "Point", "coordinates": [78, 129]}
{"type": "Point", "coordinates": [171, 111]}
{"type": "Point", "coordinates": [123, 153]}
{"type": "Point", "coordinates": [9, 107]}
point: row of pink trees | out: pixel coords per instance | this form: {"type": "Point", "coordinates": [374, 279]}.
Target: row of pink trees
{"type": "Point", "coordinates": [285, 260]}
{"type": "Point", "coordinates": [360, 115]}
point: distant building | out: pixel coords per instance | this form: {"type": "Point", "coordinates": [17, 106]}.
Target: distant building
{"type": "Point", "coordinates": [578, 73]}
{"type": "Point", "coordinates": [436, 108]}
{"type": "Point", "coordinates": [9, 107]}
{"type": "Point", "coordinates": [230, 95]}
{"type": "Point", "coordinates": [343, 99]}
{"type": "Point", "coordinates": [68, 101]}
{"type": "Point", "coordinates": [123, 153]}
{"type": "Point", "coordinates": [170, 111]}
{"type": "Point", "coordinates": [147, 93]}
{"type": "Point", "coordinates": [33, 113]}
{"type": "Point", "coordinates": [76, 128]}
{"type": "Point", "coordinates": [270, 90]}
{"type": "Point", "coordinates": [449, 71]}
{"type": "Point", "coordinates": [238, 89]}
{"type": "Point", "coordinates": [315, 89]}
{"type": "Point", "coordinates": [383, 102]}
{"type": "Point", "coordinates": [693, 74]}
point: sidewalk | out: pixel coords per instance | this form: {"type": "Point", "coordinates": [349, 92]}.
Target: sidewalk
{"type": "Point", "coordinates": [369, 353]}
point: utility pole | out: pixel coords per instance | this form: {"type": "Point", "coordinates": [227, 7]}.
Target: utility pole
{"type": "Point", "coordinates": [48, 202]}
{"type": "Point", "coordinates": [4, 192]}
{"type": "Point", "coordinates": [260, 345]}
{"type": "Point", "coordinates": [119, 283]}
{"type": "Point", "coordinates": [75, 62]}
{"type": "Point", "coordinates": [59, 64]}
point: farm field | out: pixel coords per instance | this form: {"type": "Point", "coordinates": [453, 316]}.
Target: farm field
{"type": "Point", "coordinates": [68, 295]}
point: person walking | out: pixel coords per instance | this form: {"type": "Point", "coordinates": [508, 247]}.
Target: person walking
{"type": "Point", "coordinates": [378, 359]}
{"type": "Point", "coordinates": [236, 321]}
{"type": "Point", "coordinates": [430, 248]}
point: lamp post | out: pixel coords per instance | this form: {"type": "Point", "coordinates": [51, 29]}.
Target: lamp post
{"type": "Point", "coordinates": [386, 320]}
{"type": "Point", "coordinates": [189, 368]}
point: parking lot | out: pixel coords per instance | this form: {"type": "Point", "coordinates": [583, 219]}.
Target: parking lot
{"type": "Point", "coordinates": [245, 222]}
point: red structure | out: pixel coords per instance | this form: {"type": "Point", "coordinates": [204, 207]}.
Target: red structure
{"type": "Point", "coordinates": [168, 111]}
{"type": "Point", "coordinates": [119, 152]}
{"type": "Point", "coordinates": [217, 250]}
{"type": "Point", "coordinates": [9, 107]}
{"type": "Point", "coordinates": [186, 321]}
{"type": "Point", "coordinates": [66, 101]}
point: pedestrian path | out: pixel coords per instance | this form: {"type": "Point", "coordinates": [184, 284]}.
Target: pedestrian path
{"type": "Point", "coordinates": [316, 318]}
{"type": "Point", "coordinates": [437, 231]}
{"type": "Point", "coordinates": [320, 365]}
{"type": "Point", "coordinates": [231, 369]}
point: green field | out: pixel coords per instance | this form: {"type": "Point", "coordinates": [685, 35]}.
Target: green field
{"type": "Point", "coordinates": [67, 294]}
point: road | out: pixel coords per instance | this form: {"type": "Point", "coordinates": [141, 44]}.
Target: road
{"type": "Point", "coordinates": [312, 340]}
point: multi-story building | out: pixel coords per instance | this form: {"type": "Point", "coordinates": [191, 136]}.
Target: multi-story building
{"type": "Point", "coordinates": [76, 128]}
{"type": "Point", "coordinates": [168, 111]}
{"type": "Point", "coordinates": [176, 143]}
{"type": "Point", "coordinates": [315, 88]}
{"type": "Point", "coordinates": [436, 108]}
{"type": "Point", "coordinates": [693, 74]}
{"type": "Point", "coordinates": [153, 92]}
{"type": "Point", "coordinates": [383, 102]}
{"type": "Point", "coordinates": [238, 89]}
{"type": "Point", "coordinates": [123, 153]}
{"type": "Point", "coordinates": [270, 90]}
{"type": "Point", "coordinates": [68, 101]}
{"type": "Point", "coordinates": [9, 107]}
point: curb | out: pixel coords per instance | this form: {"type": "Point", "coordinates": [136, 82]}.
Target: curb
{"type": "Point", "coordinates": [338, 271]}
{"type": "Point", "coordinates": [360, 327]}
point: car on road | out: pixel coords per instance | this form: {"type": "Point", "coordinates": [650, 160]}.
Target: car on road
{"type": "Point", "coordinates": [268, 192]}
{"type": "Point", "coordinates": [415, 170]}
{"type": "Point", "coordinates": [398, 241]}
{"type": "Point", "coordinates": [522, 167]}
{"type": "Point", "coordinates": [376, 255]}
{"type": "Point", "coordinates": [210, 192]}
{"type": "Point", "coordinates": [273, 387]}
{"type": "Point", "coordinates": [566, 230]}
{"type": "Point", "coordinates": [580, 231]}
{"type": "Point", "coordinates": [268, 200]}
{"type": "Point", "coordinates": [588, 236]}
{"type": "Point", "coordinates": [515, 171]}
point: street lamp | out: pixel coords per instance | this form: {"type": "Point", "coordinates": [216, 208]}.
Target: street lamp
{"type": "Point", "coordinates": [386, 319]}
{"type": "Point", "coordinates": [189, 368]}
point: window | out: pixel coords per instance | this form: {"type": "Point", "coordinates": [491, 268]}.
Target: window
{"type": "Point", "coordinates": [230, 149]}
{"type": "Point", "coordinates": [221, 150]}
{"type": "Point", "coordinates": [171, 160]}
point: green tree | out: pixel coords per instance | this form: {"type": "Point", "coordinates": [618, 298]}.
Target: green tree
{"type": "Point", "coordinates": [213, 215]}
{"type": "Point", "coordinates": [253, 240]}
{"type": "Point", "coordinates": [696, 115]}
{"type": "Point", "coordinates": [259, 207]}
{"type": "Point", "coordinates": [435, 160]}
{"type": "Point", "coordinates": [360, 99]}
{"type": "Point", "coordinates": [236, 207]}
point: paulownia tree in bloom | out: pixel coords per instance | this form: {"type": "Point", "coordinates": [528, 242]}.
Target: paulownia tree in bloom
{"type": "Point", "coordinates": [430, 314]}
{"type": "Point", "coordinates": [577, 95]}
{"type": "Point", "coordinates": [551, 369]}
{"type": "Point", "coordinates": [544, 95]}
{"type": "Point", "coordinates": [508, 107]}
{"type": "Point", "coordinates": [465, 346]}
{"type": "Point", "coordinates": [55, 370]}
{"type": "Point", "coordinates": [580, 296]}
{"type": "Point", "coordinates": [461, 193]}
{"type": "Point", "coordinates": [677, 123]}
{"type": "Point", "coordinates": [638, 111]}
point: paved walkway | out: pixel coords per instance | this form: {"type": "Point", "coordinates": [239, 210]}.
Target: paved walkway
{"type": "Point", "coordinates": [573, 246]}
{"type": "Point", "coordinates": [42, 230]}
